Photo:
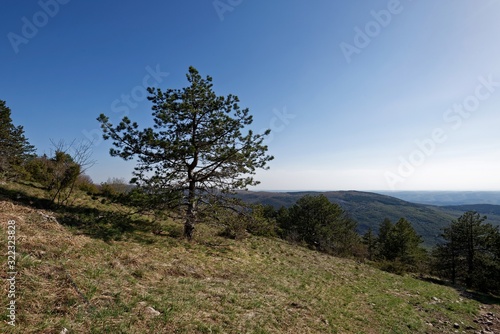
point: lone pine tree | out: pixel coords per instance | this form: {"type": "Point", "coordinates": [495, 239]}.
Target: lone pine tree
{"type": "Point", "coordinates": [196, 149]}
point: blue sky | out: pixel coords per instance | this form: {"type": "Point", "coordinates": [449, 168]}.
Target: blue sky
{"type": "Point", "coordinates": [364, 95]}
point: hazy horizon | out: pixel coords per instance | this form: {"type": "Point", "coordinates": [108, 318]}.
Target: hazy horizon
{"type": "Point", "coordinates": [379, 190]}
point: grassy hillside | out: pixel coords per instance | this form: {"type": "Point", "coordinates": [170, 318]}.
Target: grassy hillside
{"type": "Point", "coordinates": [90, 269]}
{"type": "Point", "coordinates": [370, 209]}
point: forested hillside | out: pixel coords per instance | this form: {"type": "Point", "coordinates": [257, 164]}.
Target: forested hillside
{"type": "Point", "coordinates": [370, 209]}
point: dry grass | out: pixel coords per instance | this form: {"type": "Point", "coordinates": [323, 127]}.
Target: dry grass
{"type": "Point", "coordinates": [145, 283]}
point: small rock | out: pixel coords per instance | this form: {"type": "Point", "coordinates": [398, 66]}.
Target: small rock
{"type": "Point", "coordinates": [456, 326]}
{"type": "Point", "coordinates": [151, 311]}
{"type": "Point", "coordinates": [64, 331]}
{"type": "Point", "coordinates": [250, 315]}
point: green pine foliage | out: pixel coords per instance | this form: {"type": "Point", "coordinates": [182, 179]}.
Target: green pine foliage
{"type": "Point", "coordinates": [320, 224]}
{"type": "Point", "coordinates": [399, 247]}
{"type": "Point", "coordinates": [470, 254]}
{"type": "Point", "coordinates": [370, 241]}
{"type": "Point", "coordinates": [15, 150]}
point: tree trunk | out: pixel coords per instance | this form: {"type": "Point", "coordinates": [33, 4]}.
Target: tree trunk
{"type": "Point", "coordinates": [471, 257]}
{"type": "Point", "coordinates": [453, 267]}
{"type": "Point", "coordinates": [189, 224]}
{"type": "Point", "coordinates": [191, 212]}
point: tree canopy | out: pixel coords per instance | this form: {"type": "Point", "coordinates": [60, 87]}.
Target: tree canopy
{"type": "Point", "coordinates": [320, 224]}
{"type": "Point", "coordinates": [15, 149]}
{"type": "Point", "coordinates": [198, 148]}
{"type": "Point", "coordinates": [471, 252]}
{"type": "Point", "coordinates": [397, 246]}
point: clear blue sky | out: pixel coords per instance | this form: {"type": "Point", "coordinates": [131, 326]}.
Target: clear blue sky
{"type": "Point", "coordinates": [364, 95]}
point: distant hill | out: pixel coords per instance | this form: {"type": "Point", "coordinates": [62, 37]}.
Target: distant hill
{"type": "Point", "coordinates": [443, 198]}
{"type": "Point", "coordinates": [369, 209]}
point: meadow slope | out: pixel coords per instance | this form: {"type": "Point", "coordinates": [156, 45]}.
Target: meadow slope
{"type": "Point", "coordinates": [71, 277]}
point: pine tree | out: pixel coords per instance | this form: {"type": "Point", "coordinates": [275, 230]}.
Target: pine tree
{"type": "Point", "coordinates": [384, 247]}
{"type": "Point", "coordinates": [321, 224]}
{"type": "Point", "coordinates": [370, 241]}
{"type": "Point", "coordinates": [400, 244]}
{"type": "Point", "coordinates": [470, 253]}
{"type": "Point", "coordinates": [406, 242]}
{"type": "Point", "coordinates": [15, 149]}
{"type": "Point", "coordinates": [196, 151]}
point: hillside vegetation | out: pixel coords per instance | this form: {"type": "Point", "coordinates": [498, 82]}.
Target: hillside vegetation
{"type": "Point", "coordinates": [92, 268]}
{"type": "Point", "coordinates": [370, 209]}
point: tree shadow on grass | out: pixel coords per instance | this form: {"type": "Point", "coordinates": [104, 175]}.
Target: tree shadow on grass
{"type": "Point", "coordinates": [95, 223]}
{"type": "Point", "coordinates": [24, 198]}
{"type": "Point", "coordinates": [107, 225]}
{"type": "Point", "coordinates": [481, 297]}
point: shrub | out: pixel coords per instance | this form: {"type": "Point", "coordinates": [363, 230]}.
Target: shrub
{"type": "Point", "coordinates": [85, 183]}
{"type": "Point", "coordinates": [114, 187]}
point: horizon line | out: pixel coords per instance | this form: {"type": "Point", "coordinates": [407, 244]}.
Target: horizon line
{"type": "Point", "coordinates": [388, 191]}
